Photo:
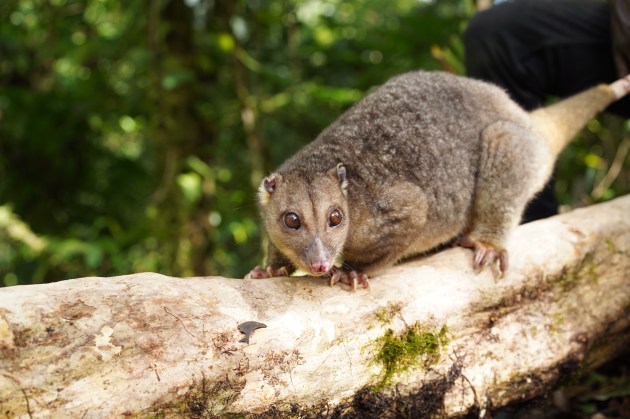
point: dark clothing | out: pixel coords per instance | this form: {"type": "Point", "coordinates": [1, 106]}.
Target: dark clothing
{"type": "Point", "coordinates": [620, 23]}
{"type": "Point", "coordinates": [540, 48]}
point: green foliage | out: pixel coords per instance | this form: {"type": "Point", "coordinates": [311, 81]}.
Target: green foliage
{"type": "Point", "coordinates": [591, 169]}
{"type": "Point", "coordinates": [133, 135]}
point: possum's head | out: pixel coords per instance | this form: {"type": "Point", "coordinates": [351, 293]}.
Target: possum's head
{"type": "Point", "coordinates": [307, 219]}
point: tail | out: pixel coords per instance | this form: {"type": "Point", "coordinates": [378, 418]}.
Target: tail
{"type": "Point", "coordinates": [560, 122]}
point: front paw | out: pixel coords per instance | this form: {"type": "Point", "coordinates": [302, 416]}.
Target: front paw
{"type": "Point", "coordinates": [486, 254]}
{"type": "Point", "coordinates": [352, 278]}
{"type": "Point", "coordinates": [259, 272]}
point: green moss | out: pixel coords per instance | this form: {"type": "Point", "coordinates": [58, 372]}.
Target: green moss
{"type": "Point", "coordinates": [610, 245]}
{"type": "Point", "coordinates": [556, 320]}
{"type": "Point", "coordinates": [569, 277]}
{"type": "Point", "coordinates": [387, 313]}
{"type": "Point", "coordinates": [203, 399]}
{"type": "Point", "coordinates": [415, 346]}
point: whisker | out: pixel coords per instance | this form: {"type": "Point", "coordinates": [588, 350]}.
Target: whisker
{"type": "Point", "coordinates": [243, 207]}
{"type": "Point", "coordinates": [345, 265]}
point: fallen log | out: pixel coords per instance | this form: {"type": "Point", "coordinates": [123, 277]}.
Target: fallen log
{"type": "Point", "coordinates": [429, 338]}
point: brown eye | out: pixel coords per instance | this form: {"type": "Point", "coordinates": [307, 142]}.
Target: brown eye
{"type": "Point", "coordinates": [292, 221]}
{"type": "Point", "coordinates": [335, 218]}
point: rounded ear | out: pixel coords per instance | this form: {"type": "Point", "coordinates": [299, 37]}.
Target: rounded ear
{"type": "Point", "coordinates": [269, 183]}
{"type": "Point", "coordinates": [341, 173]}
{"type": "Point", "coordinates": [267, 187]}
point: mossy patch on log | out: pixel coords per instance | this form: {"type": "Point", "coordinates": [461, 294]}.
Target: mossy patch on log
{"type": "Point", "coordinates": [417, 345]}
{"type": "Point", "coordinates": [386, 314]}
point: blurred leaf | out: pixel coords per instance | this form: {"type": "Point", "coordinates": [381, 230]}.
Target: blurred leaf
{"type": "Point", "coordinates": [190, 184]}
{"type": "Point", "coordinates": [93, 256]}
{"type": "Point", "coordinates": [226, 42]}
{"type": "Point", "coordinates": [593, 161]}
{"type": "Point", "coordinates": [175, 79]}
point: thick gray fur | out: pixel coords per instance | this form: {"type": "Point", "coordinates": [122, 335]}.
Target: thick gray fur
{"type": "Point", "coordinates": [429, 157]}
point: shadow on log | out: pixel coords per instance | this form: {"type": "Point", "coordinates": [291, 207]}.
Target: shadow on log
{"type": "Point", "coordinates": [429, 338]}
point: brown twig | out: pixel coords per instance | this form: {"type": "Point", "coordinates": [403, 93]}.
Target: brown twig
{"type": "Point", "coordinates": [613, 171]}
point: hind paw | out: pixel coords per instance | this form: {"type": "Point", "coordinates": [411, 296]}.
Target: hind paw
{"type": "Point", "coordinates": [486, 254]}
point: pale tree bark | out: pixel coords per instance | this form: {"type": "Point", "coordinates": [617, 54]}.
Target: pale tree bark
{"type": "Point", "coordinates": [146, 344]}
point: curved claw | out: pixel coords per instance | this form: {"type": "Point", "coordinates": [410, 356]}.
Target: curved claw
{"type": "Point", "coordinates": [334, 279]}
{"type": "Point", "coordinates": [486, 254]}
{"type": "Point", "coordinates": [352, 278]}
{"type": "Point", "coordinates": [363, 280]}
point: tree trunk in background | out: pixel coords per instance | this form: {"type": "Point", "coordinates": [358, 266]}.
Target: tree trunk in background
{"type": "Point", "coordinates": [429, 339]}
{"type": "Point", "coordinates": [179, 133]}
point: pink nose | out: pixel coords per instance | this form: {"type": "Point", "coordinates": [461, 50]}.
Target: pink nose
{"type": "Point", "coordinates": [320, 267]}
